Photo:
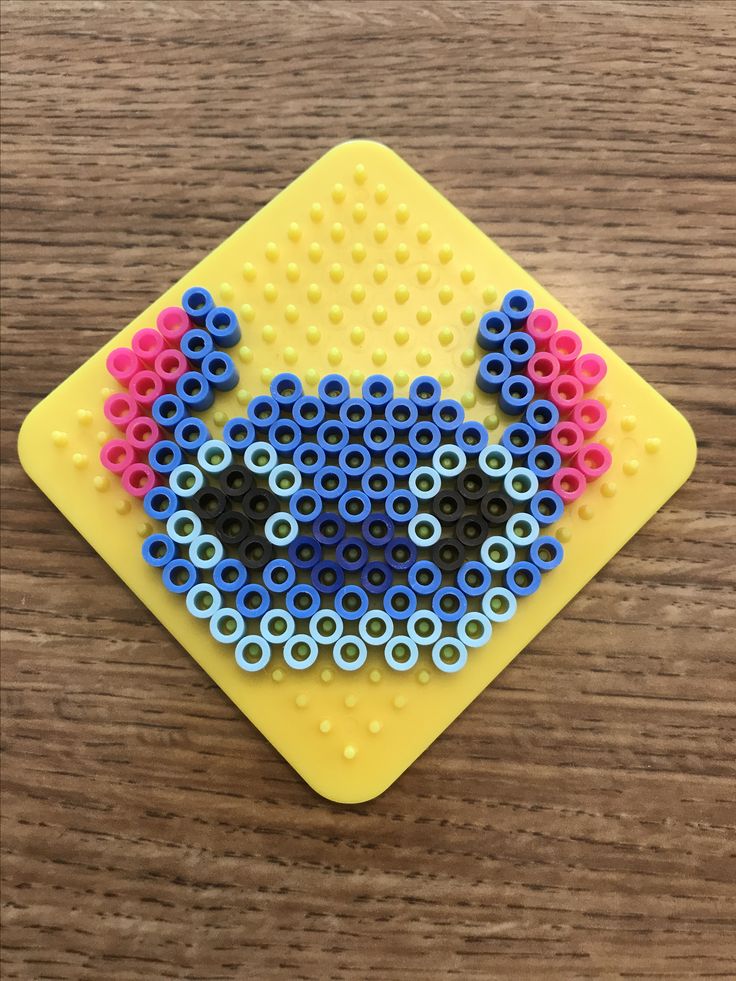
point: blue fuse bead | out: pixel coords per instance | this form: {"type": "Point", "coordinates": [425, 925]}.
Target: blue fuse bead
{"type": "Point", "coordinates": [302, 601]}
{"type": "Point", "coordinates": [400, 554]}
{"type": "Point", "coordinates": [448, 415]}
{"type": "Point", "coordinates": [473, 578]}
{"type": "Point", "coordinates": [493, 371]}
{"type": "Point", "coordinates": [351, 602]}
{"type": "Point", "coordinates": [304, 552]}
{"type": "Point", "coordinates": [223, 325]}
{"type": "Point", "coordinates": [286, 389]}
{"type": "Point", "coordinates": [196, 345]}
{"type": "Point", "coordinates": [263, 411]}
{"type": "Point", "coordinates": [546, 507]}
{"type": "Point", "coordinates": [197, 303]}
{"type": "Point", "coordinates": [305, 505]}
{"type": "Point", "coordinates": [160, 503]}
{"type": "Point", "coordinates": [327, 577]}
{"type": "Point", "coordinates": [355, 414]}
{"type": "Point", "coordinates": [542, 416]}
{"type": "Point", "coordinates": [333, 390]}
{"type": "Point", "coordinates": [354, 506]}
{"type": "Point", "coordinates": [450, 604]}
{"type": "Point", "coordinates": [424, 438]}
{"type": "Point", "coordinates": [378, 435]}
{"type": "Point", "coordinates": [179, 575]}
{"type": "Point", "coordinates": [493, 329]}
{"type": "Point", "coordinates": [308, 413]}
{"type": "Point", "coordinates": [332, 436]}
{"type": "Point", "coordinates": [168, 411]}
{"type": "Point", "coordinates": [516, 394]}
{"type": "Point", "coordinates": [309, 459]}
{"type": "Point", "coordinates": [519, 439]}
{"type": "Point", "coordinates": [517, 305]}
{"type": "Point", "coordinates": [158, 550]}
{"type": "Point", "coordinates": [252, 601]}
{"type": "Point", "coordinates": [279, 575]}
{"type": "Point", "coordinates": [377, 483]}
{"type": "Point", "coordinates": [378, 390]}
{"type": "Point", "coordinates": [230, 575]}
{"type": "Point", "coordinates": [425, 577]}
{"type": "Point", "coordinates": [330, 483]}
{"type": "Point", "coordinates": [351, 554]}
{"type": "Point", "coordinates": [401, 506]}
{"type": "Point", "coordinates": [220, 371]}
{"type": "Point", "coordinates": [401, 460]}
{"type": "Point", "coordinates": [544, 461]}
{"type": "Point", "coordinates": [285, 436]}
{"type": "Point", "coordinates": [523, 578]}
{"type": "Point", "coordinates": [472, 437]}
{"type": "Point", "coordinates": [301, 651]}
{"type": "Point", "coordinates": [425, 393]}
{"type": "Point", "coordinates": [195, 391]}
{"type": "Point", "coordinates": [519, 348]}
{"type": "Point", "coordinates": [354, 459]}
{"type": "Point", "coordinates": [546, 553]}
{"type": "Point", "coordinates": [401, 414]}
{"type": "Point", "coordinates": [165, 456]}
{"type": "Point", "coordinates": [239, 434]}
{"type": "Point", "coordinates": [377, 529]}
{"type": "Point", "coordinates": [376, 577]}
{"type": "Point", "coordinates": [400, 602]}
{"type": "Point", "coordinates": [190, 434]}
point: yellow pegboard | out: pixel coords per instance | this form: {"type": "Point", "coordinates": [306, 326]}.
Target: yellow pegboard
{"type": "Point", "coordinates": [359, 266]}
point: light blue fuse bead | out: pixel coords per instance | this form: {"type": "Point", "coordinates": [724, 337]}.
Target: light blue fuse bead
{"type": "Point", "coordinates": [378, 390]}
{"type": "Point", "coordinates": [449, 460]}
{"type": "Point", "coordinates": [260, 457]}
{"type": "Point", "coordinates": [183, 527]}
{"type": "Point", "coordinates": [474, 630]}
{"type": "Point", "coordinates": [223, 325]}
{"type": "Point", "coordinates": [286, 389]}
{"type": "Point", "coordinates": [160, 503]}
{"type": "Point", "coordinates": [190, 434]}
{"type": "Point", "coordinates": [227, 625]}
{"type": "Point", "coordinates": [168, 411]}
{"type": "Point", "coordinates": [516, 394]}
{"type": "Point", "coordinates": [300, 652]}
{"type": "Point", "coordinates": [165, 456]}
{"type": "Point", "coordinates": [195, 391]}
{"type": "Point", "coordinates": [186, 480]}
{"type": "Point", "coordinates": [497, 553]}
{"type": "Point", "coordinates": [308, 413]}
{"type": "Point", "coordinates": [424, 627]}
{"type": "Point", "coordinates": [522, 530]}
{"type": "Point", "coordinates": [252, 653]}
{"type": "Point", "coordinates": [401, 653]}
{"type": "Point", "coordinates": [239, 434]}
{"type": "Point", "coordinates": [214, 456]}
{"type": "Point", "coordinates": [197, 303]}
{"type": "Point", "coordinates": [499, 605]}
{"type": "Point", "coordinates": [281, 528]}
{"type": "Point", "coordinates": [449, 655]}
{"type": "Point", "coordinates": [424, 529]}
{"type": "Point", "coordinates": [493, 329]}
{"type": "Point", "coordinates": [424, 483]}
{"type": "Point", "coordinates": [326, 627]}
{"type": "Point", "coordinates": [496, 461]}
{"type": "Point", "coordinates": [284, 480]}
{"type": "Point", "coordinates": [277, 626]}
{"type": "Point", "coordinates": [206, 551]}
{"type": "Point", "coordinates": [376, 627]}
{"type": "Point", "coordinates": [517, 305]}
{"type": "Point", "coordinates": [350, 653]}
{"type": "Point", "coordinates": [158, 550]}
{"type": "Point", "coordinates": [220, 371]}
{"type": "Point", "coordinates": [520, 484]}
{"type": "Point", "coordinates": [203, 600]}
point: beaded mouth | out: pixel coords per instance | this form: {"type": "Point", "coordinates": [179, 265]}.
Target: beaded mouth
{"type": "Point", "coordinates": [340, 527]}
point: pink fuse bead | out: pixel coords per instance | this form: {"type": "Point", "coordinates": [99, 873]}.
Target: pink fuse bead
{"type": "Point", "coordinates": [170, 365]}
{"type": "Point", "coordinates": [116, 455]}
{"type": "Point", "coordinates": [541, 325]}
{"type": "Point", "coordinates": [566, 438]}
{"type": "Point", "coordinates": [565, 392]}
{"type": "Point", "coordinates": [148, 344]}
{"type": "Point", "coordinates": [138, 479]}
{"type": "Point", "coordinates": [122, 364]}
{"type": "Point", "coordinates": [569, 483]}
{"type": "Point", "coordinates": [142, 433]}
{"type": "Point", "coordinates": [173, 323]}
{"type": "Point", "coordinates": [593, 461]}
{"type": "Point", "coordinates": [590, 415]}
{"type": "Point", "coordinates": [542, 369]}
{"type": "Point", "coordinates": [120, 409]}
{"type": "Point", "coordinates": [566, 346]}
{"type": "Point", "coordinates": [590, 370]}
{"type": "Point", "coordinates": [145, 387]}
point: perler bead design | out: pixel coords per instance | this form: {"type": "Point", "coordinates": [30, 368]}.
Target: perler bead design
{"type": "Point", "coordinates": [326, 526]}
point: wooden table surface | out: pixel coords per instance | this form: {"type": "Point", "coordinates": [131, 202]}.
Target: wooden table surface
{"type": "Point", "coordinates": [578, 820]}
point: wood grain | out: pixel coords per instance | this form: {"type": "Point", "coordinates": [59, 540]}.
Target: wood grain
{"type": "Point", "coordinates": [578, 820]}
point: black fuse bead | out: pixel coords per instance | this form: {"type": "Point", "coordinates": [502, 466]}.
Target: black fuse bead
{"type": "Point", "coordinates": [255, 552]}
{"type": "Point", "coordinates": [232, 527]}
{"type": "Point", "coordinates": [236, 482]}
{"type": "Point", "coordinates": [448, 506]}
{"type": "Point", "coordinates": [496, 508]}
{"type": "Point", "coordinates": [448, 554]}
{"type": "Point", "coordinates": [473, 484]}
{"type": "Point", "coordinates": [471, 530]}
{"type": "Point", "coordinates": [208, 503]}
{"type": "Point", "coordinates": [259, 504]}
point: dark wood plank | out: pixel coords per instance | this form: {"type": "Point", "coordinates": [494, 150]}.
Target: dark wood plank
{"type": "Point", "coordinates": [578, 820]}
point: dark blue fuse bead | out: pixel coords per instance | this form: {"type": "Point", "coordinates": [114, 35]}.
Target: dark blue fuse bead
{"type": "Point", "coordinates": [377, 529]}
{"type": "Point", "coordinates": [493, 371]}
{"type": "Point", "coordinates": [284, 435]}
{"type": "Point", "coordinates": [220, 371]}
{"type": "Point", "coordinates": [401, 414]}
{"type": "Point", "coordinates": [286, 389]}
{"type": "Point", "coordinates": [168, 411]}
{"type": "Point", "coordinates": [332, 436]}
{"type": "Point", "coordinates": [425, 393]}
{"type": "Point", "coordinates": [304, 552]}
{"type": "Point", "coordinates": [472, 437]}
{"type": "Point", "coordinates": [238, 433]}
{"type": "Point", "coordinates": [448, 415]}
{"type": "Point", "coordinates": [195, 391]}
{"type": "Point", "coordinates": [378, 390]}
{"type": "Point", "coordinates": [263, 411]}
{"type": "Point", "coordinates": [516, 394]}
{"type": "Point", "coordinates": [424, 438]}
{"type": "Point", "coordinates": [376, 577]}
{"type": "Point", "coordinates": [196, 345]}
{"type": "Point", "coordinates": [519, 439]}
{"type": "Point", "coordinates": [354, 459]}
{"type": "Point", "coordinates": [165, 456]}
{"type": "Point", "coordinates": [158, 550]}
{"type": "Point", "coordinates": [309, 459]}
{"type": "Point", "coordinates": [308, 413]}
{"type": "Point", "coordinates": [351, 554]}
{"type": "Point", "coordinates": [542, 416]}
{"type": "Point", "coordinates": [519, 349]}
{"type": "Point", "coordinates": [160, 503]}
{"type": "Point", "coordinates": [355, 414]}
{"type": "Point", "coordinates": [544, 461]}
{"type": "Point", "coordinates": [493, 329]}
{"type": "Point", "coordinates": [327, 577]}
{"type": "Point", "coordinates": [333, 390]}
{"type": "Point", "coordinates": [328, 529]}
{"type": "Point", "coordinates": [401, 460]}
{"type": "Point", "coordinates": [197, 303]}
{"type": "Point", "coordinates": [223, 325]}
{"type": "Point", "coordinates": [517, 305]}
{"type": "Point", "coordinates": [190, 434]}
{"type": "Point", "coordinates": [400, 554]}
